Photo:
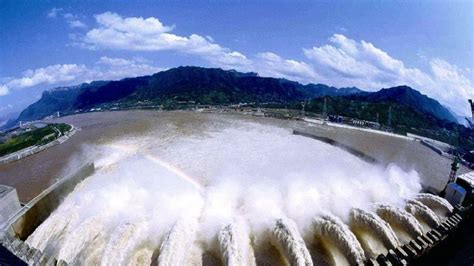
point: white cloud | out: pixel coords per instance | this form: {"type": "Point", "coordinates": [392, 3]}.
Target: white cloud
{"type": "Point", "coordinates": [73, 21]}
{"type": "Point", "coordinates": [346, 62]}
{"type": "Point", "coordinates": [4, 90]}
{"type": "Point", "coordinates": [452, 84]}
{"type": "Point", "coordinates": [120, 68]}
{"type": "Point", "coordinates": [76, 24]}
{"type": "Point", "coordinates": [66, 74]}
{"type": "Point", "coordinates": [54, 12]}
{"type": "Point", "coordinates": [270, 64]}
{"type": "Point", "coordinates": [342, 62]}
{"type": "Point", "coordinates": [48, 75]}
{"type": "Point", "coordinates": [150, 34]}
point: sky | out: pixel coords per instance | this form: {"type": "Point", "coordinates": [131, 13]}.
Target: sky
{"type": "Point", "coordinates": [428, 45]}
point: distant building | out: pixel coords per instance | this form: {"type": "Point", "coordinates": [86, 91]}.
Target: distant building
{"type": "Point", "coordinates": [364, 123]}
{"type": "Point", "coordinates": [259, 112]}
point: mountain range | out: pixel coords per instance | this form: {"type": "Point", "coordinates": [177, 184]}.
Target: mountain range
{"type": "Point", "coordinates": [214, 86]}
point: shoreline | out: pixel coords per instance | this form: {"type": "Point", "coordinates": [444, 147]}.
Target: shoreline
{"type": "Point", "coordinates": [23, 153]}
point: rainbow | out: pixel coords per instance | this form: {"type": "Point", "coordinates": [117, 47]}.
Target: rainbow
{"type": "Point", "coordinates": [162, 163]}
{"type": "Point", "coordinates": [175, 170]}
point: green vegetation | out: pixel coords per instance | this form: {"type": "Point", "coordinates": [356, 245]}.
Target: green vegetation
{"type": "Point", "coordinates": [39, 136]}
{"type": "Point", "coordinates": [404, 119]}
{"type": "Point", "coordinates": [63, 128]}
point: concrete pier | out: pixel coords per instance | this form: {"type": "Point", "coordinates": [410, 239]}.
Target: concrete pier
{"type": "Point", "coordinates": [417, 249]}
{"type": "Point", "coordinates": [9, 203]}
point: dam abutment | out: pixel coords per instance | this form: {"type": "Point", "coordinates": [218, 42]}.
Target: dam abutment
{"type": "Point", "coordinates": [22, 224]}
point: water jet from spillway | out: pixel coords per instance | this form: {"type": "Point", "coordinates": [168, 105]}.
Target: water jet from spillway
{"type": "Point", "coordinates": [143, 256]}
{"type": "Point", "coordinates": [329, 228]}
{"type": "Point", "coordinates": [46, 237]}
{"type": "Point", "coordinates": [79, 239]}
{"type": "Point", "coordinates": [123, 241]}
{"type": "Point", "coordinates": [439, 205]}
{"type": "Point", "coordinates": [404, 224]}
{"type": "Point", "coordinates": [286, 238]}
{"type": "Point", "coordinates": [373, 233]}
{"type": "Point", "coordinates": [424, 214]}
{"type": "Point", "coordinates": [234, 245]}
{"type": "Point", "coordinates": [178, 242]}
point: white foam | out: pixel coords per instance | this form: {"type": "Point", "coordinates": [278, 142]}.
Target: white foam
{"type": "Point", "coordinates": [227, 169]}
{"type": "Point", "coordinates": [177, 243]}
{"type": "Point", "coordinates": [234, 244]}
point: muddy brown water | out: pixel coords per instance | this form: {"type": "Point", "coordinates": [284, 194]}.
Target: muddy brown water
{"type": "Point", "coordinates": [35, 173]}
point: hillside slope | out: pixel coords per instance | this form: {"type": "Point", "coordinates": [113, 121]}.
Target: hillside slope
{"type": "Point", "coordinates": [203, 85]}
{"type": "Point", "coordinates": [409, 97]}
{"type": "Point", "coordinates": [213, 86]}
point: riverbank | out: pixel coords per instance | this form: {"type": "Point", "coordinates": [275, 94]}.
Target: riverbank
{"type": "Point", "coordinates": [18, 155]}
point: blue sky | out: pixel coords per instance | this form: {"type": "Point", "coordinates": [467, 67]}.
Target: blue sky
{"type": "Point", "coordinates": [428, 45]}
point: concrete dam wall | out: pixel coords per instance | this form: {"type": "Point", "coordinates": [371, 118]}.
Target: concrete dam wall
{"type": "Point", "coordinates": [401, 236]}
{"type": "Point", "coordinates": [19, 226]}
{"type": "Point", "coordinates": [335, 143]}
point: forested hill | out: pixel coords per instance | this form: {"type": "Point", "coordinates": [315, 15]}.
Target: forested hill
{"type": "Point", "coordinates": [213, 86]}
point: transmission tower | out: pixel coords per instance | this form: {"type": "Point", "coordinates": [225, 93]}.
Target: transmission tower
{"type": "Point", "coordinates": [303, 104]}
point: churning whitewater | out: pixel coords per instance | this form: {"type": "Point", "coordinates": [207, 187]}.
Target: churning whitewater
{"type": "Point", "coordinates": [233, 191]}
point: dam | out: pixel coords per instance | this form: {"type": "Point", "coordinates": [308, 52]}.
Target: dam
{"type": "Point", "coordinates": [386, 236]}
{"type": "Point", "coordinates": [220, 191]}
